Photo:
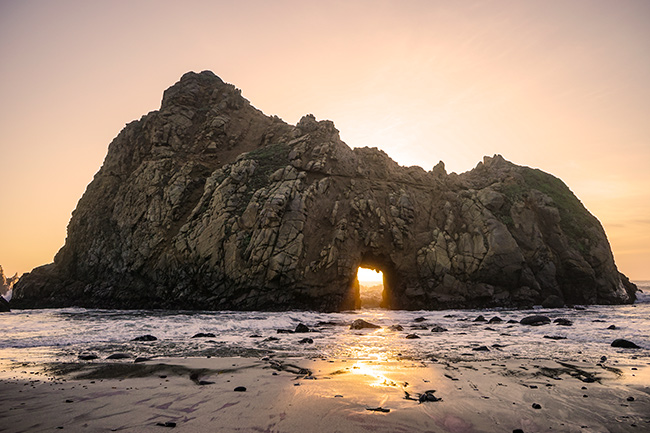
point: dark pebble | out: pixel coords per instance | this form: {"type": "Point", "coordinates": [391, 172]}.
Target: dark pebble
{"type": "Point", "coordinates": [170, 424]}
{"type": "Point", "coordinates": [535, 320]}
{"type": "Point", "coordinates": [419, 319]}
{"type": "Point", "coordinates": [603, 358]}
{"type": "Point", "coordinates": [496, 319]}
{"type": "Point", "coordinates": [611, 327]}
{"type": "Point", "coordinates": [626, 344]}
{"type": "Point", "coordinates": [630, 399]}
{"type": "Point", "coordinates": [88, 357]}
{"type": "Point", "coordinates": [480, 319]}
{"type": "Point", "coordinates": [306, 341]}
{"type": "Point", "coordinates": [537, 406]}
{"type": "Point", "coordinates": [481, 349]}
{"type": "Point", "coordinates": [284, 331]}
{"type": "Point", "coordinates": [362, 324]}
{"type": "Point", "coordinates": [240, 389]}
{"type": "Point", "coordinates": [395, 328]}
{"type": "Point", "coordinates": [301, 328]}
{"type": "Point", "coordinates": [563, 322]}
{"type": "Point", "coordinates": [412, 336]}
{"type": "Point", "coordinates": [554, 337]}
{"type": "Point", "coordinates": [147, 337]}
{"type": "Point", "coordinates": [69, 401]}
{"type": "Point", "coordinates": [271, 339]}
{"type": "Point", "coordinates": [378, 409]}
{"type": "Point", "coordinates": [204, 335]}
{"type": "Point", "coordinates": [428, 396]}
{"type": "Point", "coordinates": [438, 328]}
{"type": "Point", "coordinates": [141, 359]}
{"type": "Point", "coordinates": [119, 356]}
{"type": "Point", "coordinates": [517, 430]}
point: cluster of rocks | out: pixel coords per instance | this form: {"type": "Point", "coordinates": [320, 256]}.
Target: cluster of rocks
{"type": "Point", "coordinates": [208, 203]}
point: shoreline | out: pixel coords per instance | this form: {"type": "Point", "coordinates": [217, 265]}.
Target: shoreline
{"type": "Point", "coordinates": [326, 395]}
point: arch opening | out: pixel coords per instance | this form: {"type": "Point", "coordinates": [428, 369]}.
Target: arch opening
{"type": "Point", "coordinates": [371, 287]}
{"type": "Point", "coordinates": [380, 272]}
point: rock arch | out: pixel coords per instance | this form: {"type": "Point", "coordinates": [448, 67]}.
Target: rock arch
{"type": "Point", "coordinates": [210, 204]}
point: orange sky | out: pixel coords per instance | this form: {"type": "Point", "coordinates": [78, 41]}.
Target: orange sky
{"type": "Point", "coordinates": [559, 85]}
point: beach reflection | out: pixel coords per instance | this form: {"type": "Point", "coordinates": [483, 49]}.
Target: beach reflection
{"type": "Point", "coordinates": [377, 355]}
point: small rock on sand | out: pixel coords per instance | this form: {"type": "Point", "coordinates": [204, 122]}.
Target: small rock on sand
{"type": "Point", "coordinates": [147, 337]}
{"type": "Point", "coordinates": [301, 328]}
{"type": "Point", "coordinates": [240, 389]}
{"type": "Point", "coordinates": [87, 357]}
{"type": "Point", "coordinates": [204, 335]}
{"type": "Point", "coordinates": [438, 328]}
{"type": "Point", "coordinates": [119, 356]}
{"type": "Point", "coordinates": [535, 320]}
{"type": "Point", "coordinates": [626, 344]}
{"type": "Point", "coordinates": [412, 336]}
{"type": "Point", "coordinates": [362, 324]}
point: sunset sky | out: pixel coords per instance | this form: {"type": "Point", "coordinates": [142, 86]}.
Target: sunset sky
{"type": "Point", "coordinates": [563, 86]}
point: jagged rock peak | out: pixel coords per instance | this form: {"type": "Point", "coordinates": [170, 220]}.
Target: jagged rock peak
{"type": "Point", "coordinates": [208, 203]}
{"type": "Point", "coordinates": [6, 284]}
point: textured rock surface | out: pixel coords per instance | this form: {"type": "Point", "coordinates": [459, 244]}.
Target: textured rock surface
{"type": "Point", "coordinates": [210, 204]}
{"type": "Point", "coordinates": [6, 284]}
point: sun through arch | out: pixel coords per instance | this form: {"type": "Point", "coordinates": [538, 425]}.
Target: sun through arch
{"type": "Point", "coordinates": [371, 287]}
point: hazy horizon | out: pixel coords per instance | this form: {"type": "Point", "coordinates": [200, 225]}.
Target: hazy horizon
{"type": "Point", "coordinates": [557, 86]}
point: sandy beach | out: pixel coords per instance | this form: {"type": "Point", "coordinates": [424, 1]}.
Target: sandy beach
{"type": "Point", "coordinates": [322, 395]}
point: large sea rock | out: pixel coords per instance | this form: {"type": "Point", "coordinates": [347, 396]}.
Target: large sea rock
{"type": "Point", "coordinates": [208, 203]}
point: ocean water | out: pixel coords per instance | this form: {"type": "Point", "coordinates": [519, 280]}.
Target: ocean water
{"type": "Point", "coordinates": [61, 335]}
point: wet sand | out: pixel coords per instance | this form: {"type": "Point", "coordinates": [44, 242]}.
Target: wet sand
{"type": "Point", "coordinates": [307, 395]}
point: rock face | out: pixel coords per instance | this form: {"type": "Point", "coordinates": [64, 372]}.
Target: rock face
{"type": "Point", "coordinates": [6, 290]}
{"type": "Point", "coordinates": [210, 204]}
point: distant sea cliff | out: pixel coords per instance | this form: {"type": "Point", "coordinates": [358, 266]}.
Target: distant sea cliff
{"type": "Point", "coordinates": [209, 204]}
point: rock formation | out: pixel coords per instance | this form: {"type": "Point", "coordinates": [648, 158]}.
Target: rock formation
{"type": "Point", "coordinates": [210, 204]}
{"type": "Point", "coordinates": [6, 290]}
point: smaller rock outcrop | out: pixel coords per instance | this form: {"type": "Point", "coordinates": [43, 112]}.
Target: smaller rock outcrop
{"type": "Point", "coordinates": [6, 290]}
